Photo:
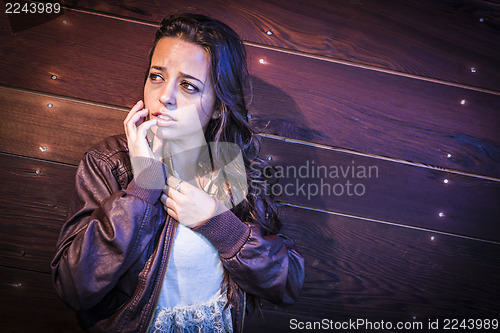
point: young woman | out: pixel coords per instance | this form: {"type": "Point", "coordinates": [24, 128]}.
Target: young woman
{"type": "Point", "coordinates": [170, 228]}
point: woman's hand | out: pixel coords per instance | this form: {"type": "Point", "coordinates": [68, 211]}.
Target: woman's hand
{"type": "Point", "coordinates": [136, 129]}
{"type": "Point", "coordinates": [186, 203]}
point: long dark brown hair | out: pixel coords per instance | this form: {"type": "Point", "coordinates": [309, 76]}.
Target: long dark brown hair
{"type": "Point", "coordinates": [231, 80]}
{"type": "Point", "coordinates": [230, 77]}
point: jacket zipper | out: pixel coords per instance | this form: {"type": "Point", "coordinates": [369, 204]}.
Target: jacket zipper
{"type": "Point", "coordinates": [244, 311]}
{"type": "Point", "coordinates": [169, 234]}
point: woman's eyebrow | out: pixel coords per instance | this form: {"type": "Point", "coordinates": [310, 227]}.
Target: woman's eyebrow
{"type": "Point", "coordinates": [187, 76]}
{"type": "Point", "coordinates": [160, 68]}
{"type": "Point", "coordinates": [184, 75]}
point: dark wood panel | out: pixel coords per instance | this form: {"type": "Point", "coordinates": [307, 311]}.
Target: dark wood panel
{"type": "Point", "coordinates": [376, 113]}
{"type": "Point", "coordinates": [71, 56]}
{"type": "Point", "coordinates": [30, 304]}
{"type": "Point", "coordinates": [385, 190]}
{"type": "Point", "coordinates": [53, 128]}
{"type": "Point", "coordinates": [33, 207]}
{"type": "Point", "coordinates": [361, 269]}
{"type": "Point", "coordinates": [26, 292]}
{"type": "Point", "coordinates": [441, 40]}
{"type": "Point", "coordinates": [329, 103]}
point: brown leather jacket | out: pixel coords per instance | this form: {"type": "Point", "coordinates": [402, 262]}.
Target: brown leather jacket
{"type": "Point", "coordinates": [113, 250]}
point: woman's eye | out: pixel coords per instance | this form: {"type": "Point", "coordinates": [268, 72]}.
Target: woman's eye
{"type": "Point", "coordinates": [155, 77]}
{"type": "Point", "coordinates": [190, 88]}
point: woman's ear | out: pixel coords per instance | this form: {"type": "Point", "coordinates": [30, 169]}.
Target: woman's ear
{"type": "Point", "coordinates": [217, 109]}
{"type": "Point", "coordinates": [216, 114]}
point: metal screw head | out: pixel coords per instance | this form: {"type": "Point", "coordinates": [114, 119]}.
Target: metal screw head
{"type": "Point", "coordinates": [38, 172]}
{"type": "Point", "coordinates": [269, 32]}
{"type": "Point", "coordinates": [441, 214]}
{"type": "Point", "coordinates": [53, 77]}
{"type": "Point", "coordinates": [269, 158]}
{"type": "Point", "coordinates": [64, 21]}
{"type": "Point", "coordinates": [463, 102]}
{"type": "Point", "coordinates": [50, 105]}
{"type": "Point", "coordinates": [481, 20]}
{"type": "Point", "coordinates": [43, 149]}
{"type": "Point", "coordinates": [249, 116]}
{"type": "Point", "coordinates": [473, 69]}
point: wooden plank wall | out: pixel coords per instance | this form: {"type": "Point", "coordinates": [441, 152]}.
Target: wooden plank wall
{"type": "Point", "coordinates": [404, 93]}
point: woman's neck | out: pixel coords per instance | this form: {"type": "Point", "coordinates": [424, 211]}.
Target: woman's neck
{"type": "Point", "coordinates": [181, 155]}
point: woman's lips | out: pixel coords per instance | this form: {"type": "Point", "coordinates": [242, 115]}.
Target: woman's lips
{"type": "Point", "coordinates": [163, 120]}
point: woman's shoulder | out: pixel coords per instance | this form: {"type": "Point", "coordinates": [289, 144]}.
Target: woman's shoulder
{"type": "Point", "coordinates": [112, 151]}
{"type": "Point", "coordinates": [110, 146]}
{"type": "Point", "coordinates": [110, 156]}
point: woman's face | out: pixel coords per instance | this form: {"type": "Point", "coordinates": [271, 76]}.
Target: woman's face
{"type": "Point", "coordinates": [179, 93]}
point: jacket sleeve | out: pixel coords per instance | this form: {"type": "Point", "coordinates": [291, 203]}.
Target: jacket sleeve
{"type": "Point", "coordinates": [107, 230]}
{"type": "Point", "coordinates": [266, 266]}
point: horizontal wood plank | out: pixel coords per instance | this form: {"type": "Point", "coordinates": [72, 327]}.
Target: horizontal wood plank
{"type": "Point", "coordinates": [33, 206]}
{"type": "Point", "coordinates": [384, 190]}
{"type": "Point", "coordinates": [440, 40]}
{"type": "Point", "coordinates": [330, 104]}
{"type": "Point", "coordinates": [360, 269]}
{"type": "Point", "coordinates": [75, 58]}
{"type": "Point", "coordinates": [30, 304]}
{"type": "Point", "coordinates": [53, 128]}
{"type": "Point", "coordinates": [376, 113]}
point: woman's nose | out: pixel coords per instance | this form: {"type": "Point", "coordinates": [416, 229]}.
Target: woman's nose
{"type": "Point", "coordinates": [167, 97]}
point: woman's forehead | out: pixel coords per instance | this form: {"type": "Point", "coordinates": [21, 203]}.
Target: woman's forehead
{"type": "Point", "coordinates": [178, 55]}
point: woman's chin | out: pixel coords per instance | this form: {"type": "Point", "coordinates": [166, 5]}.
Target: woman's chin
{"type": "Point", "coordinates": [162, 133]}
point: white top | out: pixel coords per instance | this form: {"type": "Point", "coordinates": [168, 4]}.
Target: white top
{"type": "Point", "coordinates": [194, 272]}
{"type": "Point", "coordinates": [191, 295]}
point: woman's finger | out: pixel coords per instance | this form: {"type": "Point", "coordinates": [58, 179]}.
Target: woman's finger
{"type": "Point", "coordinates": [172, 181]}
{"type": "Point", "coordinates": [163, 198]}
{"type": "Point", "coordinates": [170, 203]}
{"type": "Point", "coordinates": [169, 206]}
{"type": "Point", "coordinates": [133, 122]}
{"type": "Point", "coordinates": [172, 214]}
{"type": "Point", "coordinates": [172, 193]}
{"type": "Point", "coordinates": [180, 185]}
{"type": "Point", "coordinates": [143, 128]}
{"type": "Point", "coordinates": [138, 106]}
{"type": "Point", "coordinates": [167, 201]}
